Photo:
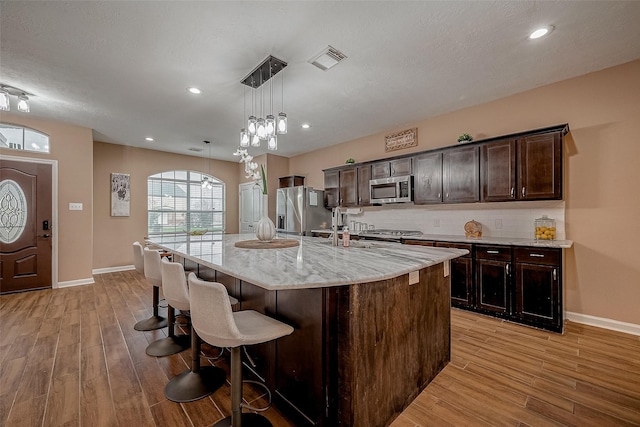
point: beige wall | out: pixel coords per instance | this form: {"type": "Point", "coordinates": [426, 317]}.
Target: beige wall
{"type": "Point", "coordinates": [602, 172]}
{"type": "Point", "coordinates": [72, 147]}
{"type": "Point", "coordinates": [113, 236]}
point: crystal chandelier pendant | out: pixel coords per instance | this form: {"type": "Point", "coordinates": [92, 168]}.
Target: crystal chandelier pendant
{"type": "Point", "coordinates": [273, 143]}
{"type": "Point", "coordinates": [244, 138]}
{"type": "Point", "coordinates": [251, 125]}
{"type": "Point", "coordinates": [255, 141]}
{"type": "Point", "coordinates": [282, 123]}
{"type": "Point", "coordinates": [261, 129]}
{"type": "Point", "coordinates": [23, 103]}
{"type": "Point", "coordinates": [4, 100]}
{"type": "Point", "coordinates": [270, 125]}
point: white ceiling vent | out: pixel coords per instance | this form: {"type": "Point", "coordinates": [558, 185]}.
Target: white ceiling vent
{"type": "Point", "coordinates": [197, 150]}
{"type": "Point", "coordinates": [327, 58]}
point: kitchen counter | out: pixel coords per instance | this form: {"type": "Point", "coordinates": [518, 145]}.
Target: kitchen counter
{"type": "Point", "coordinates": [314, 263]}
{"type": "Point", "coordinates": [374, 316]}
{"type": "Point", "coordinates": [509, 241]}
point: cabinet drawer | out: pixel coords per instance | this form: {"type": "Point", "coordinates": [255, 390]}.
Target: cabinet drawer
{"type": "Point", "coordinates": [544, 256]}
{"type": "Point", "coordinates": [466, 246]}
{"type": "Point", "coordinates": [497, 253]}
{"type": "Point", "coordinates": [418, 242]}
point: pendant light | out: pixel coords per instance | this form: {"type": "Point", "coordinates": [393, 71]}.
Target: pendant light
{"type": "Point", "coordinates": [4, 99]}
{"type": "Point", "coordinates": [282, 117]}
{"type": "Point", "coordinates": [244, 134]}
{"type": "Point", "coordinates": [206, 182]}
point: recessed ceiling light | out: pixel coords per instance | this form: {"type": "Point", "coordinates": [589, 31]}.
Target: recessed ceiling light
{"type": "Point", "coordinates": [149, 139]}
{"type": "Point", "coordinates": [540, 32]}
{"type": "Point", "coordinates": [194, 90]}
{"type": "Point", "coordinates": [305, 126]}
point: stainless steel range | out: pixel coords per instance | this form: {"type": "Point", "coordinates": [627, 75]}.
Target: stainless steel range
{"type": "Point", "coordinates": [388, 235]}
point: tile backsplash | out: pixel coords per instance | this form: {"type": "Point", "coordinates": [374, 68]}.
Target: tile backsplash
{"type": "Point", "coordinates": [509, 219]}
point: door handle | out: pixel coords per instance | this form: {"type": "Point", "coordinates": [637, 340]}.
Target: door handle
{"type": "Point", "coordinates": [46, 236]}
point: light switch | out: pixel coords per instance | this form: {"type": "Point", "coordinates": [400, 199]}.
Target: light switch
{"type": "Point", "coordinates": [414, 277]}
{"type": "Point", "coordinates": [75, 206]}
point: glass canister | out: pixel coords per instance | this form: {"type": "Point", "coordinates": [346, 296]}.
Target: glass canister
{"type": "Point", "coordinates": [545, 228]}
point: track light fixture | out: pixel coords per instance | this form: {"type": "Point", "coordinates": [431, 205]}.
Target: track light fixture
{"type": "Point", "coordinates": [5, 98]}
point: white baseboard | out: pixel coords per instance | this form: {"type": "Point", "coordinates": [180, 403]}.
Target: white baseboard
{"type": "Point", "coordinates": [78, 282]}
{"type": "Point", "coordinates": [601, 322]}
{"type": "Point", "coordinates": [112, 269]}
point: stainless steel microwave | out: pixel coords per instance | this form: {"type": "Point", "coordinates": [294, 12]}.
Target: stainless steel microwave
{"type": "Point", "coordinates": [395, 189]}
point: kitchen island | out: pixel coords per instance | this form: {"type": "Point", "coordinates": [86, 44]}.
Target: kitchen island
{"type": "Point", "coordinates": [372, 321]}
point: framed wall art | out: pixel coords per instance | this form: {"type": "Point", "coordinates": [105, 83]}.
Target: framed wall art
{"type": "Point", "coordinates": [398, 141]}
{"type": "Point", "coordinates": [120, 194]}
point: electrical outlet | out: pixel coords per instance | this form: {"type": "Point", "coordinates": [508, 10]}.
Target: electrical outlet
{"type": "Point", "coordinates": [75, 206]}
{"type": "Point", "coordinates": [498, 224]}
{"type": "Point", "coordinates": [436, 223]}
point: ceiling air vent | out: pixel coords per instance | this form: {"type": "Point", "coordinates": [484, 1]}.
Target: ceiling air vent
{"type": "Point", "coordinates": [327, 58]}
{"type": "Point", "coordinates": [197, 150]}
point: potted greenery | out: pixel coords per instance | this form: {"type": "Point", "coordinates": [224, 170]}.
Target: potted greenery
{"type": "Point", "coordinates": [350, 161]}
{"type": "Point", "coordinates": [465, 137]}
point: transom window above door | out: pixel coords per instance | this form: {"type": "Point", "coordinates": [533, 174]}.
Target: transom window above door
{"type": "Point", "coordinates": [23, 138]}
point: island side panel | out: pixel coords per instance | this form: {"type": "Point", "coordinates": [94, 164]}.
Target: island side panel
{"type": "Point", "coordinates": [399, 340]}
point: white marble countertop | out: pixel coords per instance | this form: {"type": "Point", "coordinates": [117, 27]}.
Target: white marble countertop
{"type": "Point", "coordinates": [315, 263]}
{"type": "Point", "coordinates": [513, 241]}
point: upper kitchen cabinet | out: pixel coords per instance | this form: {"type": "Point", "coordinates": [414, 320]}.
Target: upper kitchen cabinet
{"type": "Point", "coordinates": [388, 168]}
{"type": "Point", "coordinates": [523, 168]}
{"type": "Point", "coordinates": [427, 178]}
{"type": "Point", "coordinates": [364, 194]}
{"type": "Point", "coordinates": [331, 188]}
{"type": "Point", "coordinates": [460, 173]}
{"type": "Point", "coordinates": [540, 166]}
{"type": "Point", "coordinates": [349, 187]}
{"type": "Point", "coordinates": [498, 171]}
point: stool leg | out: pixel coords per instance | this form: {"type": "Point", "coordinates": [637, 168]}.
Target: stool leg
{"type": "Point", "coordinates": [173, 343]}
{"type": "Point", "coordinates": [156, 321]}
{"type": "Point", "coordinates": [196, 383]}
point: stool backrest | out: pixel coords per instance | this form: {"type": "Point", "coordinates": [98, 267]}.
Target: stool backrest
{"type": "Point", "coordinates": [138, 257]}
{"type": "Point", "coordinates": [152, 267]}
{"type": "Point", "coordinates": [211, 314]}
{"type": "Point", "coordinates": [174, 285]}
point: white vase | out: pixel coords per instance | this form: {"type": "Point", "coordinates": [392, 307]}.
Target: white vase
{"type": "Point", "coordinates": [265, 230]}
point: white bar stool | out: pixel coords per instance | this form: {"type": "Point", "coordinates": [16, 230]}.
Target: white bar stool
{"type": "Point", "coordinates": [149, 265]}
{"type": "Point", "coordinates": [218, 325]}
{"type": "Point", "coordinates": [171, 284]}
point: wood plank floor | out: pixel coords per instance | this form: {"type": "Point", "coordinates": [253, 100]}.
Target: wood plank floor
{"type": "Point", "coordinates": [70, 357]}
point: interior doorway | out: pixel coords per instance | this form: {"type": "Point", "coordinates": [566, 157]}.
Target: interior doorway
{"type": "Point", "coordinates": [26, 224]}
{"type": "Point", "coordinates": [250, 207]}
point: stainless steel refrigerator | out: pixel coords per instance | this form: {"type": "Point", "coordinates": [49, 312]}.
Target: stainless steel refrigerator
{"type": "Point", "coordinates": [300, 210]}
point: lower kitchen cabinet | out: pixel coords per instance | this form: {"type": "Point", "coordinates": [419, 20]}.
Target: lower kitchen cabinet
{"type": "Point", "coordinates": [517, 283]}
{"type": "Point", "coordinates": [538, 293]}
{"type": "Point", "coordinates": [493, 278]}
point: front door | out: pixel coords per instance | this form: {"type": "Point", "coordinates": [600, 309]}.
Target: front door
{"type": "Point", "coordinates": [25, 226]}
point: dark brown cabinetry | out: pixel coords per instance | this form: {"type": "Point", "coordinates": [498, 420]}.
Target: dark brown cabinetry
{"type": "Point", "coordinates": [460, 175]}
{"type": "Point", "coordinates": [525, 168]}
{"type": "Point", "coordinates": [332, 188]}
{"type": "Point", "coordinates": [364, 194]}
{"type": "Point", "coordinates": [427, 178]}
{"type": "Point", "coordinates": [540, 166]}
{"type": "Point", "coordinates": [349, 187]}
{"type": "Point", "coordinates": [537, 290]}
{"type": "Point", "coordinates": [461, 275]}
{"type": "Point", "coordinates": [396, 167]}
{"type": "Point", "coordinates": [493, 278]}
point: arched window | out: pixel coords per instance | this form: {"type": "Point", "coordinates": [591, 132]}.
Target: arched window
{"type": "Point", "coordinates": [22, 138]}
{"type": "Point", "coordinates": [180, 205]}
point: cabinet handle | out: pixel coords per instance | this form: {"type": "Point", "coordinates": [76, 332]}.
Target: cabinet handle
{"type": "Point", "coordinates": [439, 195]}
{"type": "Point", "coordinates": [447, 195]}
{"type": "Point", "coordinates": [524, 192]}
{"type": "Point", "coordinates": [507, 267]}
{"type": "Point", "coordinates": [493, 252]}
{"type": "Point", "coordinates": [359, 199]}
{"type": "Point", "coordinates": [537, 255]}
{"type": "Point", "coordinates": [513, 192]}
{"type": "Point", "coordinates": [555, 274]}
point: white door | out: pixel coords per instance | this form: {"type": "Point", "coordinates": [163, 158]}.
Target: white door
{"type": "Point", "coordinates": [250, 207]}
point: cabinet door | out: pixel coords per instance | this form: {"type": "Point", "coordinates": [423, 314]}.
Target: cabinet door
{"type": "Point", "coordinates": [427, 179]}
{"type": "Point", "coordinates": [537, 295]}
{"type": "Point", "coordinates": [540, 167]}
{"type": "Point", "coordinates": [331, 189]}
{"type": "Point", "coordinates": [400, 167]}
{"type": "Point", "coordinates": [493, 285]}
{"type": "Point", "coordinates": [380, 170]}
{"type": "Point", "coordinates": [364, 194]}
{"type": "Point", "coordinates": [498, 171]}
{"type": "Point", "coordinates": [349, 187]}
{"type": "Point", "coordinates": [461, 282]}
{"type": "Point", "coordinates": [461, 175]}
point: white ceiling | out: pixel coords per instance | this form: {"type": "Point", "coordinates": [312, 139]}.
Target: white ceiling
{"type": "Point", "coordinates": [122, 68]}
